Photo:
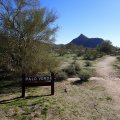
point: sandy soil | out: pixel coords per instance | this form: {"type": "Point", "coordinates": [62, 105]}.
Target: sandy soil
{"type": "Point", "coordinates": [108, 77]}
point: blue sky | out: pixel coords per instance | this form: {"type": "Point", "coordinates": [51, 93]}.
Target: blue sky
{"type": "Point", "coordinates": [93, 18]}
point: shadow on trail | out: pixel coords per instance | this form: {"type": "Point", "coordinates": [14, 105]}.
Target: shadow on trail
{"type": "Point", "coordinates": [20, 98]}
{"type": "Point", "coordinates": [79, 82]}
{"type": "Point", "coordinates": [9, 100]}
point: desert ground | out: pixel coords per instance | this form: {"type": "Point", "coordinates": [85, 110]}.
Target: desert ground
{"type": "Point", "coordinates": [97, 99]}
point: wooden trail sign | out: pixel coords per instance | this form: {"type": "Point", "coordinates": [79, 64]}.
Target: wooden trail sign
{"type": "Point", "coordinates": [37, 81]}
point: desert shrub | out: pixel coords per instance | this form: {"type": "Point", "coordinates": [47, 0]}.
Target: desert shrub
{"type": "Point", "coordinates": [100, 55]}
{"type": "Point", "coordinates": [106, 47]}
{"type": "Point", "coordinates": [79, 54]}
{"type": "Point", "coordinates": [77, 67]}
{"type": "Point", "coordinates": [87, 63]}
{"type": "Point", "coordinates": [61, 75]}
{"type": "Point", "coordinates": [118, 58]}
{"type": "Point", "coordinates": [84, 75]}
{"type": "Point", "coordinates": [73, 69]}
{"type": "Point", "coordinates": [25, 49]}
{"type": "Point", "coordinates": [92, 55]}
{"type": "Point", "coordinates": [70, 70]}
{"type": "Point", "coordinates": [88, 56]}
{"type": "Point", "coordinates": [75, 58]}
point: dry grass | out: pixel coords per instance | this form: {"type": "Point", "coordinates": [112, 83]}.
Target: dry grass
{"type": "Point", "coordinates": [84, 101]}
{"type": "Point", "coordinates": [87, 101]}
{"type": "Point", "coordinates": [116, 66]}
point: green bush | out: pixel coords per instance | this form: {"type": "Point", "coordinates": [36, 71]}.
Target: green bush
{"type": "Point", "coordinates": [118, 58]}
{"type": "Point", "coordinates": [77, 67]}
{"type": "Point", "coordinates": [79, 54]}
{"type": "Point", "coordinates": [106, 47]}
{"type": "Point", "coordinates": [89, 56]}
{"type": "Point", "coordinates": [84, 75]}
{"type": "Point", "coordinates": [75, 58]}
{"type": "Point", "coordinates": [61, 75]}
{"type": "Point", "coordinates": [92, 54]}
{"type": "Point", "coordinates": [87, 63]}
{"type": "Point", "coordinates": [73, 69]}
{"type": "Point", "coordinates": [70, 70]}
{"type": "Point", "coordinates": [100, 55]}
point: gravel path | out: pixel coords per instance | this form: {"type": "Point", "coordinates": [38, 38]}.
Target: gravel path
{"type": "Point", "coordinates": [107, 76]}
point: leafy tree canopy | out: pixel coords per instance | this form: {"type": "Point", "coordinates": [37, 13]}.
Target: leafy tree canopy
{"type": "Point", "coordinates": [26, 28]}
{"type": "Point", "coordinates": [26, 19]}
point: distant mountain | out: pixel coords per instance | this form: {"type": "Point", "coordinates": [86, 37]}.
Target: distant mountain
{"type": "Point", "coordinates": [87, 42]}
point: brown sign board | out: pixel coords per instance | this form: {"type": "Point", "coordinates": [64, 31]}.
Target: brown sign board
{"type": "Point", "coordinates": [28, 81]}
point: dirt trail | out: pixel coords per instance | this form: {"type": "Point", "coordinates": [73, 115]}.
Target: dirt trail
{"type": "Point", "coordinates": [107, 76]}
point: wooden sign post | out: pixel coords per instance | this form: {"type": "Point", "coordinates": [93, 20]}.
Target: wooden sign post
{"type": "Point", "coordinates": [38, 81]}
